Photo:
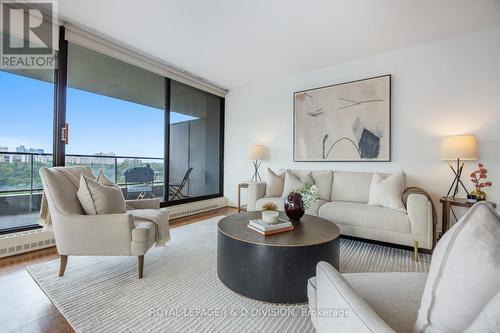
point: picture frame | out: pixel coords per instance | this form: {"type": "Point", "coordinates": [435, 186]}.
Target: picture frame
{"type": "Point", "coordinates": [344, 122]}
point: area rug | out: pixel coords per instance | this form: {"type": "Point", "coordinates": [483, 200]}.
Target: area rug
{"type": "Point", "coordinates": [180, 291]}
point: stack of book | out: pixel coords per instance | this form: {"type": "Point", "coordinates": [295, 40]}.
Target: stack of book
{"type": "Point", "coordinates": [266, 229]}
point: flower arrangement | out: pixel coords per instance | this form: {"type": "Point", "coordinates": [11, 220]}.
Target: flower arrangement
{"type": "Point", "coordinates": [269, 206]}
{"type": "Point", "coordinates": [309, 194]}
{"type": "Point", "coordinates": [476, 178]}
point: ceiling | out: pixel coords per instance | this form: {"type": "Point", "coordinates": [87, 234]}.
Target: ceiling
{"type": "Point", "coordinates": [236, 42]}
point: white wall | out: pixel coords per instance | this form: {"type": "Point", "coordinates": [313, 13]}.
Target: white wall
{"type": "Point", "coordinates": [444, 88]}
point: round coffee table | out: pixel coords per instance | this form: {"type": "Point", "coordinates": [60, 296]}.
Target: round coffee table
{"type": "Point", "coordinates": [274, 268]}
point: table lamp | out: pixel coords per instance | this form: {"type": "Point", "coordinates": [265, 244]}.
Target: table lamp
{"type": "Point", "coordinates": [257, 155]}
{"type": "Point", "coordinates": [458, 148]}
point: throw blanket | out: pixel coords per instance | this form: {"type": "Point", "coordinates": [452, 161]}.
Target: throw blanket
{"type": "Point", "coordinates": [157, 216]}
{"type": "Point", "coordinates": [418, 190]}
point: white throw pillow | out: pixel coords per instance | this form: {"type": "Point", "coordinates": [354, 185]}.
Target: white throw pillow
{"type": "Point", "coordinates": [274, 184]}
{"type": "Point", "coordinates": [388, 191]}
{"type": "Point", "coordinates": [103, 180]}
{"type": "Point", "coordinates": [464, 273]}
{"type": "Point", "coordinates": [99, 199]}
{"type": "Point", "coordinates": [292, 183]}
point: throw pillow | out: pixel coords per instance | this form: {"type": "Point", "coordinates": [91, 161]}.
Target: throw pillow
{"type": "Point", "coordinates": [103, 180]}
{"type": "Point", "coordinates": [323, 180]}
{"type": "Point", "coordinates": [99, 199]}
{"type": "Point", "coordinates": [275, 183]}
{"type": "Point", "coordinates": [387, 191]}
{"type": "Point", "coordinates": [292, 183]}
{"type": "Point", "coordinates": [464, 273]}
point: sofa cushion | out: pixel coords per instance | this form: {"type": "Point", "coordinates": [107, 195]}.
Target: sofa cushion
{"type": "Point", "coordinates": [274, 184]}
{"type": "Point", "coordinates": [464, 273]}
{"type": "Point", "coordinates": [305, 176]}
{"type": "Point", "coordinates": [315, 206]}
{"type": "Point", "coordinates": [322, 179]}
{"type": "Point", "coordinates": [364, 215]}
{"type": "Point", "coordinates": [351, 186]}
{"type": "Point", "coordinates": [387, 191]}
{"type": "Point", "coordinates": [293, 183]}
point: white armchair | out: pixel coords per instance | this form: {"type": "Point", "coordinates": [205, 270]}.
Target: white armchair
{"type": "Point", "coordinates": [102, 235]}
{"type": "Point", "coordinates": [461, 292]}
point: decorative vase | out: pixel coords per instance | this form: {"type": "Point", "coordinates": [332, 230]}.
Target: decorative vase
{"type": "Point", "coordinates": [480, 195]}
{"type": "Point", "coordinates": [294, 207]}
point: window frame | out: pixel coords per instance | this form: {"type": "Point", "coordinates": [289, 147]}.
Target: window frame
{"type": "Point", "coordinates": [60, 119]}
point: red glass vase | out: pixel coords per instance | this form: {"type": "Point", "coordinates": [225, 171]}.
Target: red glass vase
{"type": "Point", "coordinates": [294, 207]}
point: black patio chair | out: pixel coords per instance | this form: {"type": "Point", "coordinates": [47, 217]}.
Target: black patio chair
{"type": "Point", "coordinates": [139, 181]}
{"type": "Point", "coordinates": [175, 190]}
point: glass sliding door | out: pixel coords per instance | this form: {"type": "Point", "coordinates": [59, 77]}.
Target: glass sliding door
{"type": "Point", "coordinates": [115, 113]}
{"type": "Point", "coordinates": [26, 113]}
{"type": "Point", "coordinates": [195, 143]}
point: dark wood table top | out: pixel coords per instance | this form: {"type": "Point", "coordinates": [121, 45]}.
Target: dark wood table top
{"type": "Point", "coordinates": [461, 202]}
{"type": "Point", "coordinates": [311, 230]}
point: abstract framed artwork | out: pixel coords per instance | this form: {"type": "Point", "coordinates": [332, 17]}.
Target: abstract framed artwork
{"type": "Point", "coordinates": [343, 122]}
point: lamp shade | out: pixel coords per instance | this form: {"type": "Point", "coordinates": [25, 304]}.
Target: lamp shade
{"type": "Point", "coordinates": [462, 147]}
{"type": "Point", "coordinates": [257, 152]}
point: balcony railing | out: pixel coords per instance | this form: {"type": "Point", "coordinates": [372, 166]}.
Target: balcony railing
{"type": "Point", "coordinates": [21, 187]}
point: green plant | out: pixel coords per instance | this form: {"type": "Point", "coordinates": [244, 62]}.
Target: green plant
{"type": "Point", "coordinates": [309, 194]}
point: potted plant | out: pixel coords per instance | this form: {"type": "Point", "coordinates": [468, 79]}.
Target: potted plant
{"type": "Point", "coordinates": [298, 201]}
{"type": "Point", "coordinates": [270, 213]}
{"type": "Point", "coordinates": [476, 178]}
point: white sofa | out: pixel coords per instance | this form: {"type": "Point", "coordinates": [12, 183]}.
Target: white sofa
{"type": "Point", "coordinates": [343, 200]}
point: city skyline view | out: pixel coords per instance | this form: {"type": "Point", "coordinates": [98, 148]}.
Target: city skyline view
{"type": "Point", "coordinates": [120, 127]}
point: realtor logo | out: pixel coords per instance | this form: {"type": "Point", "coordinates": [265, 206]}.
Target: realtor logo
{"type": "Point", "coordinates": [28, 34]}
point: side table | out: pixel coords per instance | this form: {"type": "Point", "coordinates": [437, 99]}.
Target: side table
{"type": "Point", "coordinates": [240, 186]}
{"type": "Point", "coordinates": [448, 204]}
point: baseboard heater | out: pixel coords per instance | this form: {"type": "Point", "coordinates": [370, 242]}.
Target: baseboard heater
{"type": "Point", "coordinates": [196, 207]}
{"type": "Point", "coordinates": [25, 241]}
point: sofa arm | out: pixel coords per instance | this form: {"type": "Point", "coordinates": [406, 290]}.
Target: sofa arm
{"type": "Point", "coordinates": [143, 204]}
{"type": "Point", "coordinates": [419, 210]}
{"type": "Point", "coordinates": [109, 234]}
{"type": "Point", "coordinates": [340, 308]}
{"type": "Point", "coordinates": [255, 191]}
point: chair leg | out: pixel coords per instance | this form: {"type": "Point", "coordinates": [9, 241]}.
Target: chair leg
{"type": "Point", "coordinates": [62, 264]}
{"type": "Point", "coordinates": [415, 250]}
{"type": "Point", "coordinates": [140, 261]}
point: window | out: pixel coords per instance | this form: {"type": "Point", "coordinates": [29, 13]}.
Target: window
{"type": "Point", "coordinates": [25, 143]}
{"type": "Point", "coordinates": [195, 143]}
{"type": "Point", "coordinates": [115, 113]}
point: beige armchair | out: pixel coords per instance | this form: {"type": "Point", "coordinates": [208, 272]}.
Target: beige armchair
{"type": "Point", "coordinates": [88, 235]}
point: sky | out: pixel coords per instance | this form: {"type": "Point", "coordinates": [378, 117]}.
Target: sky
{"type": "Point", "coordinates": [97, 124]}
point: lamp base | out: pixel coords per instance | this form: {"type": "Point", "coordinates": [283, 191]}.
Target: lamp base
{"type": "Point", "coordinates": [256, 175]}
{"type": "Point", "coordinates": [456, 181]}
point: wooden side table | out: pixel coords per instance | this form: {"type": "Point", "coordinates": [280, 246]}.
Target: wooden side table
{"type": "Point", "coordinates": [448, 204]}
{"type": "Point", "coordinates": [240, 186]}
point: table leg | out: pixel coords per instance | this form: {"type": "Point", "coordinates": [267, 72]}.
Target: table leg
{"type": "Point", "coordinates": [446, 217]}
{"type": "Point", "coordinates": [239, 198]}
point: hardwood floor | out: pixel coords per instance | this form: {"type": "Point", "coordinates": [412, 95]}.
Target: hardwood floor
{"type": "Point", "coordinates": [24, 307]}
